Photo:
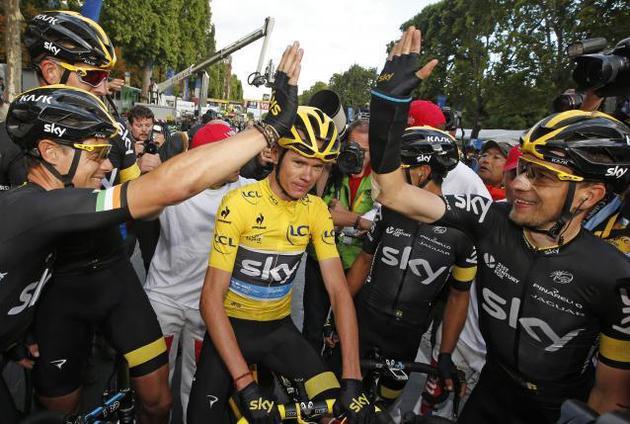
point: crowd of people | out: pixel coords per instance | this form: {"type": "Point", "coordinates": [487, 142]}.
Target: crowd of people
{"type": "Point", "coordinates": [512, 280]}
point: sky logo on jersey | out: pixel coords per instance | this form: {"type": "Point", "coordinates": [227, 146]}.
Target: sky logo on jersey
{"type": "Point", "coordinates": [262, 268]}
{"type": "Point", "coordinates": [30, 294]}
{"type": "Point", "coordinates": [478, 205]}
{"type": "Point", "coordinates": [59, 363]}
{"type": "Point", "coordinates": [498, 308]}
{"type": "Point", "coordinates": [2, 275]}
{"type": "Point", "coordinates": [109, 199]}
{"type": "Point", "coordinates": [420, 267]}
{"type": "Point", "coordinates": [625, 321]}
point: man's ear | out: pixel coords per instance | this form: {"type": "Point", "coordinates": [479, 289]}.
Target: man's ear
{"type": "Point", "coordinates": [588, 195]}
{"type": "Point", "coordinates": [275, 153]}
{"type": "Point", "coordinates": [50, 151]}
{"type": "Point", "coordinates": [50, 72]}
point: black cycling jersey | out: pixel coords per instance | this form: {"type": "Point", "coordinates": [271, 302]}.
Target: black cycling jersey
{"type": "Point", "coordinates": [12, 163]}
{"type": "Point", "coordinates": [123, 157]}
{"type": "Point", "coordinates": [412, 263]}
{"type": "Point", "coordinates": [31, 221]}
{"type": "Point", "coordinates": [543, 311]}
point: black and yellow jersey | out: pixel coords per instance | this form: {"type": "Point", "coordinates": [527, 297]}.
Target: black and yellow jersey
{"type": "Point", "coordinates": [260, 239]}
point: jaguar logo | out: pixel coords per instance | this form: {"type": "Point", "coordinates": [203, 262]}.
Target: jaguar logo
{"type": "Point", "coordinates": [561, 277]}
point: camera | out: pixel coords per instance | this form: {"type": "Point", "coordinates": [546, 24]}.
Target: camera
{"type": "Point", "coordinates": [151, 146]}
{"type": "Point", "coordinates": [605, 71]}
{"type": "Point", "coordinates": [569, 100]}
{"type": "Point", "coordinates": [453, 118]}
{"type": "Point", "coordinates": [350, 159]}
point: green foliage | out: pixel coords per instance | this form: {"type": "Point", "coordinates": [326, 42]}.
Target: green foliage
{"type": "Point", "coordinates": [236, 88]}
{"type": "Point", "coordinates": [307, 94]}
{"type": "Point", "coordinates": [353, 85]}
{"type": "Point", "coordinates": [503, 61]}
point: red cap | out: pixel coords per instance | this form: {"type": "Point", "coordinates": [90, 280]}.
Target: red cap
{"type": "Point", "coordinates": [424, 112]}
{"type": "Point", "coordinates": [512, 158]}
{"type": "Point", "coordinates": [211, 132]}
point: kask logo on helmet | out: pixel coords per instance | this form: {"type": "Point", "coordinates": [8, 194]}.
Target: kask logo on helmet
{"type": "Point", "coordinates": [37, 99]}
{"type": "Point", "coordinates": [46, 18]}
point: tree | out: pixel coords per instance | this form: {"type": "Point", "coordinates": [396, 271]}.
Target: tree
{"type": "Point", "coordinates": [307, 94]}
{"type": "Point", "coordinates": [236, 88]}
{"type": "Point", "coordinates": [13, 48]}
{"type": "Point", "coordinates": [353, 86]}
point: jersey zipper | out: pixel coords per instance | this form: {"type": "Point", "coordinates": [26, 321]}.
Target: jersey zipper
{"type": "Point", "coordinates": [524, 293]}
{"type": "Point", "coordinates": [404, 275]}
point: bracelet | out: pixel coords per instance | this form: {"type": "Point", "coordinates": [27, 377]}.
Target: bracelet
{"type": "Point", "coordinates": [241, 376]}
{"type": "Point", "coordinates": [269, 132]}
{"type": "Point", "coordinates": [357, 222]}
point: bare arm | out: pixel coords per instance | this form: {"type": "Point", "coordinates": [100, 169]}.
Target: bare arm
{"type": "Point", "coordinates": [414, 202]}
{"type": "Point", "coordinates": [359, 271]}
{"type": "Point", "coordinates": [191, 172]}
{"type": "Point", "coordinates": [611, 390]}
{"type": "Point", "coordinates": [219, 327]}
{"type": "Point", "coordinates": [345, 316]}
{"type": "Point", "coordinates": [455, 315]}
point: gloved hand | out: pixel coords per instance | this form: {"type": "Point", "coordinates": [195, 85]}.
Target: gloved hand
{"type": "Point", "coordinates": [449, 375]}
{"type": "Point", "coordinates": [284, 100]}
{"type": "Point", "coordinates": [257, 407]}
{"type": "Point", "coordinates": [353, 403]}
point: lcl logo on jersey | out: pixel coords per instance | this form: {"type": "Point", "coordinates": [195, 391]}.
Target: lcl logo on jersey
{"type": "Point", "coordinates": [223, 244]}
{"type": "Point", "coordinates": [499, 308]}
{"type": "Point", "coordinates": [252, 196]}
{"type": "Point", "coordinates": [419, 266]}
{"type": "Point", "coordinates": [295, 231]}
{"type": "Point", "coordinates": [328, 236]}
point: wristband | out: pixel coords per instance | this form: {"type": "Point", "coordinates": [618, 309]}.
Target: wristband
{"type": "Point", "coordinates": [357, 222]}
{"type": "Point", "coordinates": [269, 132]}
{"type": "Point", "coordinates": [240, 377]}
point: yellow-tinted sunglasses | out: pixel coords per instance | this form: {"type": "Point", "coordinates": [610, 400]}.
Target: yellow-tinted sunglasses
{"type": "Point", "coordinates": [90, 76]}
{"type": "Point", "coordinates": [97, 151]}
{"type": "Point", "coordinates": [541, 173]}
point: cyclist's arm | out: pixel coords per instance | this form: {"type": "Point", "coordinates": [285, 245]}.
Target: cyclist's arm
{"type": "Point", "coordinates": [414, 202]}
{"type": "Point", "coordinates": [611, 390]}
{"type": "Point", "coordinates": [455, 314]}
{"type": "Point", "coordinates": [345, 316]}
{"type": "Point", "coordinates": [359, 272]}
{"type": "Point", "coordinates": [219, 327]}
{"type": "Point", "coordinates": [187, 174]}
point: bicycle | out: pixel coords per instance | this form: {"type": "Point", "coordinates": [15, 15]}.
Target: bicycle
{"type": "Point", "coordinates": [378, 367]}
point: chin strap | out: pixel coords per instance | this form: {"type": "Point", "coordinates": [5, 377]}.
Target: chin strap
{"type": "Point", "coordinates": [66, 179]}
{"type": "Point", "coordinates": [277, 173]}
{"type": "Point", "coordinates": [566, 216]}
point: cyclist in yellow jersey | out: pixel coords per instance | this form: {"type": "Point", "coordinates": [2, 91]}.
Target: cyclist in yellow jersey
{"type": "Point", "coordinates": [261, 232]}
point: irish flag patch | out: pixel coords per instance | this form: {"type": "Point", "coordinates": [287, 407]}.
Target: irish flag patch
{"type": "Point", "coordinates": [109, 199]}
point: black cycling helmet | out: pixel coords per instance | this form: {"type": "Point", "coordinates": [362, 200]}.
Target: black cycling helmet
{"type": "Point", "coordinates": [594, 145]}
{"type": "Point", "coordinates": [71, 38]}
{"type": "Point", "coordinates": [429, 146]}
{"type": "Point", "coordinates": [61, 113]}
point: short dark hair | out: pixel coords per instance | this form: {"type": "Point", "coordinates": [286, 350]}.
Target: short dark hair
{"type": "Point", "coordinates": [361, 125]}
{"type": "Point", "coordinates": [138, 112]}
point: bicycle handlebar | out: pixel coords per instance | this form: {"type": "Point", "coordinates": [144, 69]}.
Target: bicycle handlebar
{"type": "Point", "coordinates": [299, 411]}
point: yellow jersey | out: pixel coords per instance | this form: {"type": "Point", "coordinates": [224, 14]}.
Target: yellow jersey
{"type": "Point", "coordinates": [260, 238]}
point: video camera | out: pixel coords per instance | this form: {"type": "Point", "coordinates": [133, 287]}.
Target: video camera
{"type": "Point", "coordinates": [350, 159]}
{"type": "Point", "coordinates": [150, 146]}
{"type": "Point", "coordinates": [605, 71]}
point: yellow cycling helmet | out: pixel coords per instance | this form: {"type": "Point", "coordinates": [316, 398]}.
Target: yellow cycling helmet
{"type": "Point", "coordinates": [313, 135]}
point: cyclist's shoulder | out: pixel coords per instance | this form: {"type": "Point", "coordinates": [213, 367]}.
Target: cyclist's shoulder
{"type": "Point", "coordinates": [595, 250]}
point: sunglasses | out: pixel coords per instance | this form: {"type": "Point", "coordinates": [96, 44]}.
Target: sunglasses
{"type": "Point", "coordinates": [541, 174]}
{"type": "Point", "coordinates": [97, 152]}
{"type": "Point", "coordinates": [91, 77]}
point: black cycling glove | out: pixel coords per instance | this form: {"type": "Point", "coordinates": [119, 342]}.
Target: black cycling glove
{"type": "Point", "coordinates": [257, 407]}
{"type": "Point", "coordinates": [353, 403]}
{"type": "Point", "coordinates": [283, 106]}
{"type": "Point", "coordinates": [389, 108]}
{"type": "Point", "coordinates": [447, 369]}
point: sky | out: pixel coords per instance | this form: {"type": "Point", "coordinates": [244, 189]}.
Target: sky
{"type": "Point", "coordinates": [335, 34]}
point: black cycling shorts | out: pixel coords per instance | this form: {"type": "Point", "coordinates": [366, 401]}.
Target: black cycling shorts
{"type": "Point", "coordinates": [74, 305]}
{"type": "Point", "coordinates": [277, 345]}
{"type": "Point", "coordinates": [394, 339]}
{"type": "Point", "coordinates": [499, 398]}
